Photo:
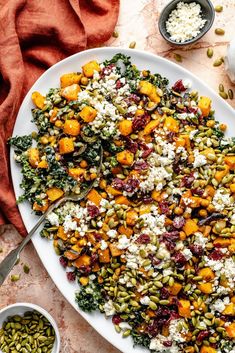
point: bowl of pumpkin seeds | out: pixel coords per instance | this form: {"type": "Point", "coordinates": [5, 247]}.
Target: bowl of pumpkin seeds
{"type": "Point", "coordinates": [28, 328]}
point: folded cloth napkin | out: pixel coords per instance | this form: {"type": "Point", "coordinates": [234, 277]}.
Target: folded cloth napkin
{"type": "Point", "coordinates": [35, 34]}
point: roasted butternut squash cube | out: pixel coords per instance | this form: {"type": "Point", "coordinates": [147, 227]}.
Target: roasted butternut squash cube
{"type": "Point", "coordinates": [171, 124]}
{"type": "Point", "coordinates": [207, 349]}
{"type": "Point", "coordinates": [33, 155]}
{"type": "Point", "coordinates": [90, 67]}
{"type": "Point", "coordinates": [145, 87]}
{"type": "Point", "coordinates": [222, 242]}
{"type": "Point", "coordinates": [125, 230]}
{"type": "Point", "coordinates": [70, 255]}
{"type": "Point", "coordinates": [88, 114]}
{"type": "Point", "coordinates": [54, 193]}
{"type": "Point", "coordinates": [38, 99]}
{"type": "Point", "coordinates": [205, 288]}
{"type": "Point", "coordinates": [61, 233]}
{"type": "Point", "coordinates": [230, 330]}
{"type": "Point", "coordinates": [69, 79]}
{"type": "Point", "coordinates": [184, 308]}
{"type": "Point", "coordinates": [94, 197]}
{"type": "Point", "coordinates": [84, 281]}
{"type": "Point", "coordinates": [72, 127]}
{"type": "Point", "coordinates": [84, 260]}
{"type": "Point", "coordinates": [151, 126]}
{"type": "Point", "coordinates": [114, 250]}
{"type": "Point", "coordinates": [125, 127]}
{"type": "Point", "coordinates": [66, 145]}
{"type": "Point", "coordinates": [41, 208]}
{"type": "Point", "coordinates": [112, 191]}
{"type": "Point", "coordinates": [122, 200]}
{"type": "Point", "coordinates": [76, 173]}
{"type": "Point", "coordinates": [207, 274]}
{"type": "Point", "coordinates": [43, 164]}
{"type": "Point", "coordinates": [230, 161]}
{"type": "Point", "coordinates": [229, 309]}
{"type": "Point", "coordinates": [70, 92]}
{"type": "Point", "coordinates": [221, 173]}
{"type": "Point", "coordinates": [125, 157]}
{"type": "Point", "coordinates": [131, 217]}
{"type": "Point", "coordinates": [205, 105]}
{"type": "Point", "coordinates": [175, 289]}
{"type": "Point", "coordinates": [190, 227]}
{"type": "Point", "coordinates": [104, 256]}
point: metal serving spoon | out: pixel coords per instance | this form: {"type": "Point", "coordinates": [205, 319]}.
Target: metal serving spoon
{"type": "Point", "coordinates": [10, 260]}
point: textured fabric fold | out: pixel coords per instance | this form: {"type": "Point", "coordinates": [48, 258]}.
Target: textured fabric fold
{"type": "Point", "coordinates": [35, 34]}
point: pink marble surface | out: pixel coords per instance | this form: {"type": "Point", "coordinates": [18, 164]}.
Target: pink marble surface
{"type": "Point", "coordinates": [137, 22]}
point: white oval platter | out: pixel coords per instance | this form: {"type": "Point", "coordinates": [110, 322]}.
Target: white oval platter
{"type": "Point", "coordinates": [23, 126]}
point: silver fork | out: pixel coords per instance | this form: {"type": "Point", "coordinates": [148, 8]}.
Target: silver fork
{"type": "Point", "coordinates": [10, 260]}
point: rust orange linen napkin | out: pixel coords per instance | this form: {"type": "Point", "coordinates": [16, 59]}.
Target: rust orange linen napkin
{"type": "Point", "coordinates": [35, 34]}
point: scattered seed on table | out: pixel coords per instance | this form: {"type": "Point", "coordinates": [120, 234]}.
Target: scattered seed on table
{"type": "Point", "coordinates": [218, 62]}
{"type": "Point", "coordinates": [15, 278]}
{"type": "Point", "coordinates": [26, 268]}
{"type": "Point", "coordinates": [223, 95]}
{"type": "Point", "coordinates": [132, 45]}
{"type": "Point", "coordinates": [230, 93]}
{"type": "Point", "coordinates": [218, 8]}
{"type": "Point", "coordinates": [115, 34]}
{"type": "Point", "coordinates": [221, 87]}
{"type": "Point", "coordinates": [210, 52]}
{"type": "Point", "coordinates": [220, 31]}
{"type": "Point", "coordinates": [178, 57]}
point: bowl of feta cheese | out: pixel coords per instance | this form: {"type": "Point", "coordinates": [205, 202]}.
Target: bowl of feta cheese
{"type": "Point", "coordinates": [184, 22]}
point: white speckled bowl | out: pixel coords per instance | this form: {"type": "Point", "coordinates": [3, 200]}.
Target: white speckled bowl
{"type": "Point", "coordinates": [21, 308]}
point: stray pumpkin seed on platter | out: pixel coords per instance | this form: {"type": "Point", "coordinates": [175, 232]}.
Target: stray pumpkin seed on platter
{"type": "Point", "coordinates": [153, 244]}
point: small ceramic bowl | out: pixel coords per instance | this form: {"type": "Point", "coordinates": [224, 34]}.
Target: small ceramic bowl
{"type": "Point", "coordinates": [21, 308]}
{"type": "Point", "coordinates": [207, 13]}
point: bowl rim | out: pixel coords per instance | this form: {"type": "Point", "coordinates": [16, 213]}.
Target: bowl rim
{"type": "Point", "coordinates": [41, 310]}
{"type": "Point", "coordinates": [193, 40]}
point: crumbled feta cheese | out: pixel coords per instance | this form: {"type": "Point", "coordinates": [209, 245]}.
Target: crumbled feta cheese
{"type": "Point", "coordinates": [53, 219]}
{"type": "Point", "coordinates": [145, 300]}
{"type": "Point", "coordinates": [185, 22]}
{"type": "Point", "coordinates": [69, 224]}
{"type": "Point", "coordinates": [221, 199]}
{"type": "Point", "coordinates": [199, 159]}
{"type": "Point", "coordinates": [112, 233]}
{"type": "Point", "coordinates": [123, 242]}
{"type": "Point", "coordinates": [109, 308]}
{"type": "Point", "coordinates": [103, 245]}
{"type": "Point", "coordinates": [187, 254]}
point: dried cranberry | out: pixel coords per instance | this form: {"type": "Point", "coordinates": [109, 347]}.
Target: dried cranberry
{"type": "Point", "coordinates": [131, 185]}
{"type": "Point", "coordinates": [97, 236]}
{"type": "Point", "coordinates": [153, 329]}
{"type": "Point", "coordinates": [134, 98]}
{"type": "Point", "coordinates": [187, 181]}
{"type": "Point", "coordinates": [118, 184]}
{"type": "Point", "coordinates": [179, 86]}
{"type": "Point", "coordinates": [164, 207]}
{"type": "Point", "coordinates": [107, 70]}
{"type": "Point", "coordinates": [167, 343]}
{"type": "Point", "coordinates": [146, 150]}
{"type": "Point", "coordinates": [202, 335]}
{"type": "Point", "coordinates": [164, 293]}
{"type": "Point", "coordinates": [63, 261]}
{"type": "Point", "coordinates": [197, 191]}
{"type": "Point", "coordinates": [93, 211]}
{"type": "Point", "coordinates": [216, 255]}
{"type": "Point", "coordinates": [94, 258]}
{"type": "Point", "coordinates": [147, 199]}
{"type": "Point", "coordinates": [71, 276]}
{"type": "Point", "coordinates": [192, 110]}
{"type": "Point", "coordinates": [140, 165]}
{"type": "Point", "coordinates": [174, 235]}
{"type": "Point", "coordinates": [131, 145]}
{"type": "Point", "coordinates": [197, 250]}
{"type": "Point", "coordinates": [170, 136]}
{"type": "Point", "coordinates": [180, 259]}
{"type": "Point", "coordinates": [119, 84]}
{"type": "Point", "coordinates": [85, 270]}
{"type": "Point", "coordinates": [143, 239]}
{"type": "Point", "coordinates": [178, 222]}
{"type": "Point", "coordinates": [169, 245]}
{"type": "Point", "coordinates": [139, 122]}
{"type": "Point", "coordinates": [116, 319]}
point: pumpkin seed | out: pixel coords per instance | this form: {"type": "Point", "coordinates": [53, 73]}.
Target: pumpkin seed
{"type": "Point", "coordinates": [230, 93]}
{"type": "Point", "coordinates": [218, 62]}
{"type": "Point", "coordinates": [221, 87]}
{"type": "Point", "coordinates": [218, 8]}
{"type": "Point", "coordinates": [132, 45]}
{"type": "Point", "coordinates": [224, 95]}
{"type": "Point", "coordinates": [210, 52]}
{"type": "Point", "coordinates": [220, 31]}
{"type": "Point", "coordinates": [115, 34]}
{"type": "Point", "coordinates": [178, 57]}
